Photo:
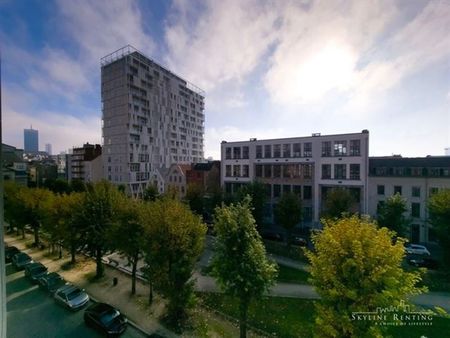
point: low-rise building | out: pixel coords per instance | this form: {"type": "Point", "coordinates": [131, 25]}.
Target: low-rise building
{"type": "Point", "coordinates": [14, 167]}
{"type": "Point", "coordinates": [85, 163]}
{"type": "Point", "coordinates": [416, 179]}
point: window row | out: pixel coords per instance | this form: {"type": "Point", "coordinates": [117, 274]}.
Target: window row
{"type": "Point", "coordinates": [415, 208]}
{"type": "Point", "coordinates": [340, 171]}
{"type": "Point", "coordinates": [398, 189]}
{"type": "Point", "coordinates": [284, 171]}
{"type": "Point", "coordinates": [236, 153]}
{"type": "Point", "coordinates": [237, 170]}
{"type": "Point", "coordinates": [285, 150]}
{"type": "Point", "coordinates": [411, 171]}
{"type": "Point", "coordinates": [339, 148]}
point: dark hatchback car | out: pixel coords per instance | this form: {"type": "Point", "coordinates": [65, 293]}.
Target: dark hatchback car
{"type": "Point", "coordinates": [51, 282]}
{"type": "Point", "coordinates": [20, 260]}
{"type": "Point", "coordinates": [425, 262]}
{"type": "Point", "coordinates": [34, 271]}
{"type": "Point", "coordinates": [10, 251]}
{"type": "Point", "coordinates": [105, 319]}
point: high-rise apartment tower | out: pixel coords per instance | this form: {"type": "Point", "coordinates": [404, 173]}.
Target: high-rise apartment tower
{"type": "Point", "coordinates": [31, 140]}
{"type": "Point", "coordinates": [151, 119]}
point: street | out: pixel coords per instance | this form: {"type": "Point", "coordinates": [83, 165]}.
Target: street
{"type": "Point", "coordinates": [31, 312]}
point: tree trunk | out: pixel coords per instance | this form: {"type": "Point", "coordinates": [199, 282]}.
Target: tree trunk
{"type": "Point", "coordinates": [36, 235]}
{"type": "Point", "coordinates": [243, 309]}
{"type": "Point", "coordinates": [23, 233]}
{"type": "Point", "coordinates": [60, 250]}
{"type": "Point", "coordinates": [150, 295]}
{"type": "Point", "coordinates": [73, 250]}
{"type": "Point", "coordinates": [133, 275]}
{"type": "Point", "coordinates": [98, 259]}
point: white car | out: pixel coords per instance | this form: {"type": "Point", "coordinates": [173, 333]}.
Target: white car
{"type": "Point", "coordinates": [416, 249]}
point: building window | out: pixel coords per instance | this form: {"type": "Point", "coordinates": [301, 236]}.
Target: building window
{"type": "Point", "coordinates": [228, 187]}
{"type": "Point", "coordinates": [227, 171]}
{"type": "Point", "coordinates": [380, 189]}
{"type": "Point", "coordinates": [354, 172]}
{"type": "Point", "coordinates": [276, 190]}
{"type": "Point", "coordinates": [245, 152]}
{"type": "Point", "coordinates": [297, 189]}
{"type": "Point", "coordinates": [236, 152]}
{"type": "Point", "coordinates": [415, 192]}
{"type": "Point", "coordinates": [307, 171]}
{"type": "Point", "coordinates": [286, 189]}
{"type": "Point", "coordinates": [236, 170]}
{"type": "Point", "coordinates": [326, 171]}
{"type": "Point", "coordinates": [340, 148]}
{"type": "Point", "coordinates": [268, 189]}
{"type": "Point", "coordinates": [258, 151]}
{"type": "Point", "coordinates": [397, 189]}
{"type": "Point", "coordinates": [277, 150]}
{"type": "Point", "coordinates": [258, 170]}
{"type": "Point", "coordinates": [267, 151]}
{"type": "Point", "coordinates": [340, 172]}
{"type": "Point", "coordinates": [415, 209]}
{"type": "Point", "coordinates": [286, 150]}
{"type": "Point", "coordinates": [307, 214]}
{"type": "Point", "coordinates": [307, 192]}
{"type": "Point", "coordinates": [326, 149]}
{"type": "Point", "coordinates": [228, 153]}
{"type": "Point", "coordinates": [276, 170]}
{"type": "Point", "coordinates": [307, 150]}
{"type": "Point", "coordinates": [245, 170]}
{"type": "Point", "coordinates": [268, 171]}
{"type": "Point", "coordinates": [297, 149]}
{"type": "Point", "coordinates": [355, 147]}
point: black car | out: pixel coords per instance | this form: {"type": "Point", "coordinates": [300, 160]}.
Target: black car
{"type": "Point", "coordinates": [273, 236]}
{"type": "Point", "coordinates": [10, 251]}
{"type": "Point", "coordinates": [424, 262]}
{"type": "Point", "coordinates": [106, 319]}
{"type": "Point", "coordinates": [51, 282]}
{"type": "Point", "coordinates": [20, 260]}
{"type": "Point", "coordinates": [299, 241]}
{"type": "Point", "coordinates": [34, 271]}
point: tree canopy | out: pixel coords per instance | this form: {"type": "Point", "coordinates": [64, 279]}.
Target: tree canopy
{"type": "Point", "coordinates": [356, 268]}
{"type": "Point", "coordinates": [439, 211]}
{"type": "Point", "coordinates": [391, 214]}
{"type": "Point", "coordinates": [338, 201]}
{"type": "Point", "coordinates": [239, 263]}
{"type": "Point", "coordinates": [288, 212]}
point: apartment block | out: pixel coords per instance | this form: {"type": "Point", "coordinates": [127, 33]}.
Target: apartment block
{"type": "Point", "coordinates": [86, 163]}
{"type": "Point", "coordinates": [307, 166]}
{"type": "Point", "coordinates": [152, 119]}
{"type": "Point", "coordinates": [416, 179]}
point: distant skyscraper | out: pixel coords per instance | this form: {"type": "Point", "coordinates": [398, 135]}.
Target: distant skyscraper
{"type": "Point", "coordinates": [151, 119]}
{"type": "Point", "coordinates": [48, 148]}
{"type": "Point", "coordinates": [31, 140]}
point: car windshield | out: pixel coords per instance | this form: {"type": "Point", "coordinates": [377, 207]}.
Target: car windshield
{"type": "Point", "coordinates": [108, 317]}
{"type": "Point", "coordinates": [22, 258]}
{"type": "Point", "coordinates": [73, 294]}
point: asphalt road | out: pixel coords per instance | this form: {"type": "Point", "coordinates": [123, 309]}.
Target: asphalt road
{"type": "Point", "coordinates": [31, 312]}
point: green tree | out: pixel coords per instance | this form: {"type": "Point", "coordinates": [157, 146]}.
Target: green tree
{"type": "Point", "coordinates": [151, 193]}
{"type": "Point", "coordinates": [195, 198]}
{"type": "Point", "coordinates": [240, 264]}
{"type": "Point", "coordinates": [439, 218]}
{"type": "Point", "coordinates": [126, 235]}
{"type": "Point", "coordinates": [391, 214]}
{"type": "Point", "coordinates": [100, 209]}
{"type": "Point", "coordinates": [356, 268]}
{"type": "Point", "coordinates": [338, 201]}
{"type": "Point", "coordinates": [288, 213]}
{"type": "Point", "coordinates": [77, 186]}
{"type": "Point", "coordinates": [175, 239]}
{"type": "Point", "coordinates": [14, 207]}
{"type": "Point", "coordinates": [257, 191]}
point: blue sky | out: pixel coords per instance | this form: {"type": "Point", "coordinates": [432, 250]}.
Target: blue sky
{"type": "Point", "coordinates": [269, 68]}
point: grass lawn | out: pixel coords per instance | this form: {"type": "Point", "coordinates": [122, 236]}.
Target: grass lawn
{"type": "Point", "coordinates": [290, 317]}
{"type": "Point", "coordinates": [437, 281]}
{"type": "Point", "coordinates": [287, 274]}
{"type": "Point", "coordinates": [281, 249]}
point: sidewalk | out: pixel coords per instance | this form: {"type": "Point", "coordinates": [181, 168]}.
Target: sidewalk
{"type": "Point", "coordinates": [135, 307]}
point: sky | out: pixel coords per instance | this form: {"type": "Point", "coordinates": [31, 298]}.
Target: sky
{"type": "Point", "coordinates": [269, 69]}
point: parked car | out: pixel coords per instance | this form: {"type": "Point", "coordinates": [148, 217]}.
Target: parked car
{"type": "Point", "coordinates": [299, 241]}
{"type": "Point", "coordinates": [105, 319]}
{"type": "Point", "coordinates": [21, 259]}
{"type": "Point", "coordinates": [10, 251]}
{"type": "Point", "coordinates": [34, 271]}
{"type": "Point", "coordinates": [273, 236]}
{"type": "Point", "coordinates": [425, 262]}
{"type": "Point", "coordinates": [71, 296]}
{"type": "Point", "coordinates": [51, 282]}
{"type": "Point", "coordinates": [416, 249]}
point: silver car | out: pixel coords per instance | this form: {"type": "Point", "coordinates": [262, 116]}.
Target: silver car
{"type": "Point", "coordinates": [71, 296]}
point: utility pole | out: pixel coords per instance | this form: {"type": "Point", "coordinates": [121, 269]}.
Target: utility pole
{"type": "Point", "coordinates": [2, 227]}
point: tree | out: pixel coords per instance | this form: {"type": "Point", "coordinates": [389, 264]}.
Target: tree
{"type": "Point", "coordinates": [239, 263]}
{"type": "Point", "coordinates": [151, 193]}
{"type": "Point", "coordinates": [174, 241]}
{"type": "Point", "coordinates": [126, 235]}
{"type": "Point", "coordinates": [77, 185]}
{"type": "Point", "coordinates": [338, 201]}
{"type": "Point", "coordinates": [288, 212]}
{"type": "Point", "coordinates": [391, 214]}
{"type": "Point", "coordinates": [100, 208]}
{"type": "Point", "coordinates": [195, 198]}
{"type": "Point", "coordinates": [356, 268]}
{"type": "Point", "coordinates": [14, 207]}
{"type": "Point", "coordinates": [439, 218]}
{"type": "Point", "coordinates": [257, 191]}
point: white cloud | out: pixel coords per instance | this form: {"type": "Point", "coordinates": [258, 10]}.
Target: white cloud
{"type": "Point", "coordinates": [226, 41]}
{"type": "Point", "coordinates": [101, 27]}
